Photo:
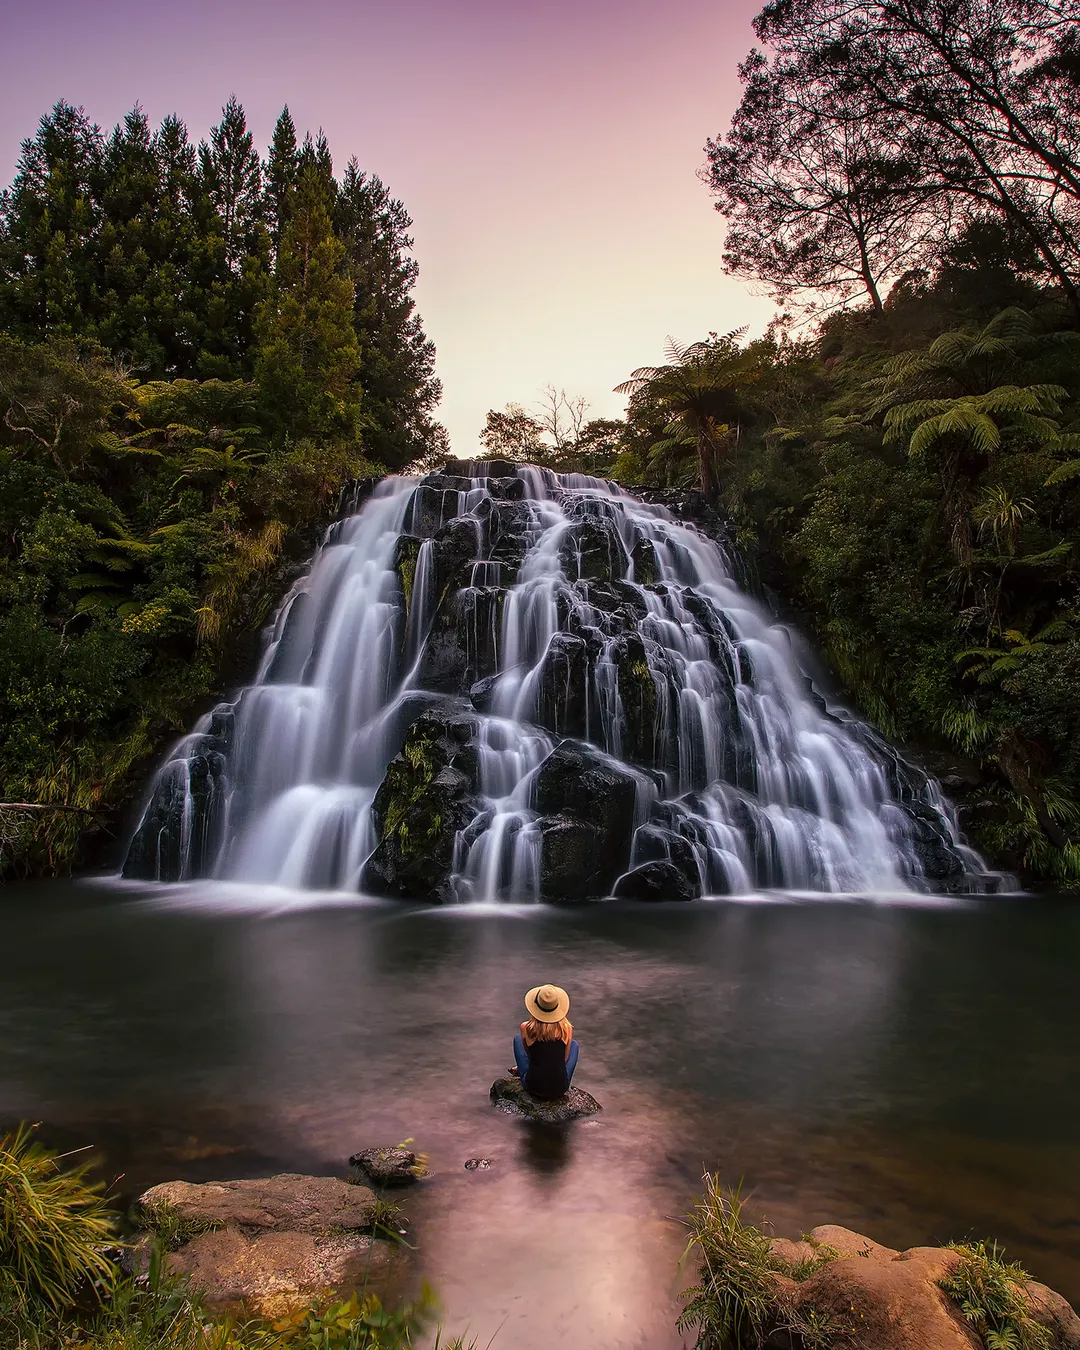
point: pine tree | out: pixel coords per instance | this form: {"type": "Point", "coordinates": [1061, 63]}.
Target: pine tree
{"type": "Point", "coordinates": [128, 251]}
{"type": "Point", "coordinates": [47, 224]}
{"type": "Point", "coordinates": [308, 356]}
{"type": "Point", "coordinates": [232, 249]}
{"type": "Point", "coordinates": [281, 173]}
{"type": "Point", "coordinates": [400, 390]}
{"type": "Point", "coordinates": [232, 178]}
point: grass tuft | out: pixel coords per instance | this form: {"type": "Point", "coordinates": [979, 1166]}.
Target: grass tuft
{"type": "Point", "coordinates": [734, 1303]}
{"type": "Point", "coordinates": [171, 1228]}
{"type": "Point", "coordinates": [55, 1226]}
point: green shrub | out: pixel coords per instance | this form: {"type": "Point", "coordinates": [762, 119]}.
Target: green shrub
{"type": "Point", "coordinates": [734, 1304]}
{"type": "Point", "coordinates": [990, 1295]}
{"type": "Point", "coordinates": [54, 1226]}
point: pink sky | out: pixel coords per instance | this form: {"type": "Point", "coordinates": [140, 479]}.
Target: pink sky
{"type": "Point", "coordinates": [547, 153]}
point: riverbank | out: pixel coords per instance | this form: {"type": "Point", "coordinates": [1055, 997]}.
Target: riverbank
{"type": "Point", "coordinates": [294, 1260]}
{"type": "Point", "coordinates": [867, 1063]}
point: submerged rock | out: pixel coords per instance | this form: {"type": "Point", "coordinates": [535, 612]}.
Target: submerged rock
{"type": "Point", "coordinates": [508, 1095]}
{"type": "Point", "coordinates": [394, 1166]}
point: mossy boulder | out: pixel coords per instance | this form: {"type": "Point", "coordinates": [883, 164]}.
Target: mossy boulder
{"type": "Point", "coordinates": [425, 797]}
{"type": "Point", "coordinates": [406, 552]}
{"type": "Point", "coordinates": [394, 1165]}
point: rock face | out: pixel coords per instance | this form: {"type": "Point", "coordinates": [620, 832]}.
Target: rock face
{"type": "Point", "coordinates": [508, 1095]}
{"type": "Point", "coordinates": [270, 1243]}
{"type": "Point", "coordinates": [497, 683]}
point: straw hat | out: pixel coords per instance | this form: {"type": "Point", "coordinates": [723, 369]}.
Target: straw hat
{"type": "Point", "coordinates": [547, 1003]}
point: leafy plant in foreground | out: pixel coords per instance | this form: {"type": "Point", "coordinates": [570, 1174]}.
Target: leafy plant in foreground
{"type": "Point", "coordinates": [990, 1294]}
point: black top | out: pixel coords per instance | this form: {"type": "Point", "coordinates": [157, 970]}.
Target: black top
{"type": "Point", "coordinates": [546, 1078]}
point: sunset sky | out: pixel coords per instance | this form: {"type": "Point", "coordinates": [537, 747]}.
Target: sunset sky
{"type": "Point", "coordinates": [547, 153]}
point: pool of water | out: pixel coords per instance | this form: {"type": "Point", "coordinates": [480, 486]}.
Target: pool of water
{"type": "Point", "coordinates": [906, 1069]}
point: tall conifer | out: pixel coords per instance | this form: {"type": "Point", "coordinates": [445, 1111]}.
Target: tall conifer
{"type": "Point", "coordinates": [281, 173]}
{"type": "Point", "coordinates": [47, 226]}
{"type": "Point", "coordinates": [400, 390]}
{"type": "Point", "coordinates": [309, 358]}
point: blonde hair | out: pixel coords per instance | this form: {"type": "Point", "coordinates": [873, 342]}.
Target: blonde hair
{"type": "Point", "coordinates": [547, 1031]}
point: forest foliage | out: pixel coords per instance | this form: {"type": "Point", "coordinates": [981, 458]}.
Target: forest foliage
{"type": "Point", "coordinates": [899, 456]}
{"type": "Point", "coordinates": [200, 347]}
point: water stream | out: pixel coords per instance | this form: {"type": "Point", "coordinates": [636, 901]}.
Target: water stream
{"type": "Point", "coordinates": [543, 607]}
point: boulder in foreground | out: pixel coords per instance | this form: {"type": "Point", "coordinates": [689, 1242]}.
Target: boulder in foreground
{"type": "Point", "coordinates": [866, 1295]}
{"type": "Point", "coordinates": [268, 1244]}
{"type": "Point", "coordinates": [508, 1095]}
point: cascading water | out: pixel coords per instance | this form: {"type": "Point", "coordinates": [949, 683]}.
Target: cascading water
{"type": "Point", "coordinates": [503, 683]}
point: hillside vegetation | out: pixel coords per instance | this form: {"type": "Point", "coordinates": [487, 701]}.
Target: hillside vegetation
{"type": "Point", "coordinates": [199, 349]}
{"type": "Point", "coordinates": [900, 454]}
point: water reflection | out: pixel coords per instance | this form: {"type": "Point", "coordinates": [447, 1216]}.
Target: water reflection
{"type": "Point", "coordinates": [911, 1071]}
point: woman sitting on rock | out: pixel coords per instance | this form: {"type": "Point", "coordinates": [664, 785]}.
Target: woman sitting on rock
{"type": "Point", "coordinates": [544, 1048]}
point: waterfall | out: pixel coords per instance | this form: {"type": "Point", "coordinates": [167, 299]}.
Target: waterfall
{"type": "Point", "coordinates": [499, 682]}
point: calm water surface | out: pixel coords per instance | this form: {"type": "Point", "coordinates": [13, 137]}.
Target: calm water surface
{"type": "Point", "coordinates": [909, 1070]}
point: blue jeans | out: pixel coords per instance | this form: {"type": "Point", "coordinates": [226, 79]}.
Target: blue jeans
{"type": "Point", "coordinates": [521, 1058]}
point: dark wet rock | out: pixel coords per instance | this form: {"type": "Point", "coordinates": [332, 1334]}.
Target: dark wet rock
{"type": "Point", "coordinates": [563, 685]}
{"type": "Point", "coordinates": [508, 1095]}
{"type": "Point", "coordinates": [508, 526]}
{"type": "Point", "coordinates": [569, 860]}
{"type": "Point", "coordinates": [181, 827]}
{"type": "Point", "coordinates": [656, 881]}
{"type": "Point", "coordinates": [482, 693]}
{"type": "Point", "coordinates": [481, 468]}
{"type": "Point", "coordinates": [593, 550]}
{"type": "Point", "coordinates": [646, 571]}
{"type": "Point", "coordinates": [589, 803]}
{"type": "Point", "coordinates": [457, 546]}
{"type": "Point", "coordinates": [655, 842]}
{"type": "Point", "coordinates": [637, 689]}
{"type": "Point", "coordinates": [423, 800]}
{"type": "Point", "coordinates": [941, 864]}
{"type": "Point", "coordinates": [392, 1166]}
{"type": "Point", "coordinates": [430, 509]}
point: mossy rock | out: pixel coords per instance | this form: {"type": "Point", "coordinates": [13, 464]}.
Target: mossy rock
{"type": "Point", "coordinates": [422, 802]}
